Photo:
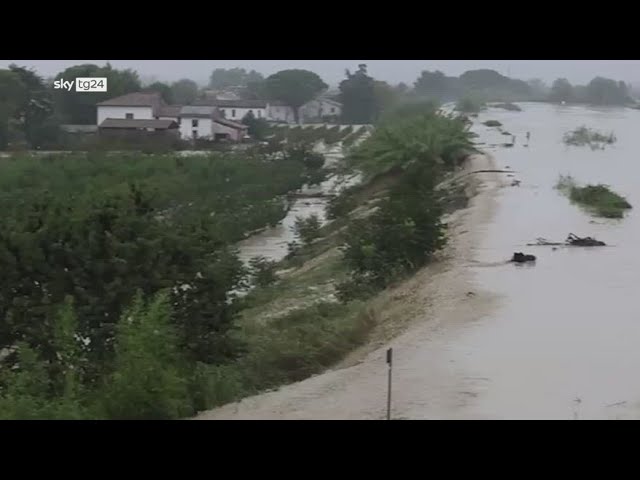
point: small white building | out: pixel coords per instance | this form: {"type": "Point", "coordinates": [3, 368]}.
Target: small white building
{"type": "Point", "coordinates": [319, 109]}
{"type": "Point", "coordinates": [280, 112]}
{"type": "Point", "coordinates": [236, 110]}
{"type": "Point", "coordinates": [204, 122]}
{"type": "Point", "coordinates": [133, 106]}
{"type": "Point", "coordinates": [196, 122]}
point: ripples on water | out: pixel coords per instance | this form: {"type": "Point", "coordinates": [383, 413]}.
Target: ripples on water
{"type": "Point", "coordinates": [564, 341]}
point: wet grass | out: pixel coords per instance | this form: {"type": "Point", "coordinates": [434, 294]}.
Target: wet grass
{"type": "Point", "coordinates": [294, 347]}
{"type": "Point", "coordinates": [293, 328]}
{"type": "Point", "coordinates": [598, 199]}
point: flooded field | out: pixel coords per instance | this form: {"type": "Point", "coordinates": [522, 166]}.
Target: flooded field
{"type": "Point", "coordinates": [272, 242]}
{"type": "Point", "coordinates": [554, 340]}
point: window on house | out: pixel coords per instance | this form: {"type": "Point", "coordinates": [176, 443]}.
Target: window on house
{"type": "Point", "coordinates": [195, 134]}
{"type": "Point", "coordinates": [128, 116]}
{"type": "Point", "coordinates": [259, 113]}
{"type": "Point", "coordinates": [194, 123]}
{"type": "Point", "coordinates": [333, 109]}
{"type": "Point", "coordinates": [233, 113]}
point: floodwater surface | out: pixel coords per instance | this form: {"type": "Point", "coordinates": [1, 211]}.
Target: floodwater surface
{"type": "Point", "coordinates": [554, 340]}
{"type": "Point", "coordinates": [563, 342]}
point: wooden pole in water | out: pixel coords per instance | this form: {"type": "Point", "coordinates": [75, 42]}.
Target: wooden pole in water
{"type": "Point", "coordinates": [390, 363]}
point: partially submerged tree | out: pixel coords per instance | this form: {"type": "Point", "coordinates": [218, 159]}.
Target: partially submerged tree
{"type": "Point", "coordinates": [561, 91]}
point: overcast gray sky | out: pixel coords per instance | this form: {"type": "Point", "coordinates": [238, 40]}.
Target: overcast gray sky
{"type": "Point", "coordinates": [332, 71]}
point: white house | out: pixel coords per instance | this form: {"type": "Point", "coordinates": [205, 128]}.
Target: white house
{"type": "Point", "coordinates": [273, 111]}
{"type": "Point", "coordinates": [204, 122]}
{"type": "Point", "coordinates": [196, 122]}
{"type": "Point", "coordinates": [236, 109]}
{"type": "Point", "coordinates": [320, 108]}
{"type": "Point", "coordinates": [133, 106]}
{"type": "Point", "coordinates": [169, 112]}
{"type": "Point", "coordinates": [280, 112]}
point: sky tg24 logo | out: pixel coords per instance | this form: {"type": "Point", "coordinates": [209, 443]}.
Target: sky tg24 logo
{"type": "Point", "coordinates": [89, 84]}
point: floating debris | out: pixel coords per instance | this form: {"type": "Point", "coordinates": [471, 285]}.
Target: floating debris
{"type": "Point", "coordinates": [572, 241]}
{"type": "Point", "coordinates": [577, 241]}
{"type": "Point", "coordinates": [520, 257]}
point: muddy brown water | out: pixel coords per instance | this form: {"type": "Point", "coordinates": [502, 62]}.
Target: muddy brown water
{"type": "Point", "coordinates": [272, 242]}
{"type": "Point", "coordinates": [555, 340]}
{"type": "Point", "coordinates": [562, 342]}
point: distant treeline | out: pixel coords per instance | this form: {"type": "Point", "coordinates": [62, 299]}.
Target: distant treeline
{"type": "Point", "coordinates": [489, 85]}
{"type": "Point", "coordinates": [31, 110]}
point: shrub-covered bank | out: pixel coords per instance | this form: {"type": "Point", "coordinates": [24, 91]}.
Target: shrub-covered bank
{"type": "Point", "coordinates": [117, 298]}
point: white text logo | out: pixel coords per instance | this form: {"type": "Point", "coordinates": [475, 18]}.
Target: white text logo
{"type": "Point", "coordinates": [90, 84]}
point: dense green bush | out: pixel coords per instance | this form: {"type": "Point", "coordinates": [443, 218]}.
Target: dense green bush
{"type": "Point", "coordinates": [148, 379]}
{"type": "Point", "coordinates": [405, 230]}
{"type": "Point", "coordinates": [426, 136]}
{"type": "Point", "coordinates": [599, 199]}
{"type": "Point", "coordinates": [401, 235]}
{"type": "Point", "coordinates": [99, 227]}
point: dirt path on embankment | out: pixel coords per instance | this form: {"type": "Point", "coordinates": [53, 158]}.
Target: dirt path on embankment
{"type": "Point", "coordinates": [419, 319]}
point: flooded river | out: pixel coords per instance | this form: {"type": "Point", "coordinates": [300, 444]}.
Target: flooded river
{"type": "Point", "coordinates": [557, 340]}
{"type": "Point", "coordinates": [563, 341]}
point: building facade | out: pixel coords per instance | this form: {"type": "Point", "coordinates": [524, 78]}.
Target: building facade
{"type": "Point", "coordinates": [133, 106]}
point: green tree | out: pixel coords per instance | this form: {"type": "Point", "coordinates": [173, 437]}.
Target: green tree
{"type": "Point", "coordinates": [432, 84]}
{"type": "Point", "coordinates": [358, 98]}
{"type": "Point", "coordinates": [13, 95]}
{"type": "Point", "coordinates": [386, 97]}
{"type": "Point", "coordinates": [402, 88]}
{"type": "Point", "coordinates": [80, 107]}
{"type": "Point", "coordinates": [69, 364]}
{"type": "Point", "coordinates": [492, 85]}
{"type": "Point", "coordinates": [294, 88]}
{"type": "Point", "coordinates": [258, 127]}
{"type": "Point", "coordinates": [148, 380]}
{"type": "Point", "coordinates": [184, 91]}
{"type": "Point", "coordinates": [36, 113]}
{"type": "Point", "coordinates": [232, 77]}
{"type": "Point", "coordinates": [254, 90]}
{"type": "Point", "coordinates": [605, 91]}
{"type": "Point", "coordinates": [561, 91]}
{"type": "Point", "coordinates": [539, 89]}
{"type": "Point", "coordinates": [163, 89]}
